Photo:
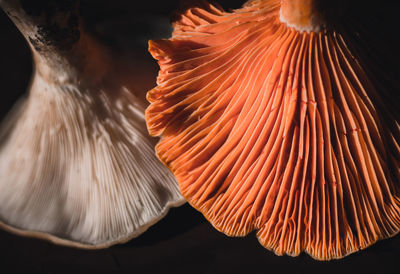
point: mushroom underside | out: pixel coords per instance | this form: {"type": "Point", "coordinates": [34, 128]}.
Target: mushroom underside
{"type": "Point", "coordinates": [79, 169]}
{"type": "Point", "coordinates": [292, 134]}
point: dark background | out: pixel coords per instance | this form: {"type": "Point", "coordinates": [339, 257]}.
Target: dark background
{"type": "Point", "coordinates": [183, 242]}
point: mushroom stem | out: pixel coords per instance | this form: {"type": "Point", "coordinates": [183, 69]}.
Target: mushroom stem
{"type": "Point", "coordinates": [311, 15]}
{"type": "Point", "coordinates": [62, 52]}
{"type": "Point", "coordinates": [303, 15]}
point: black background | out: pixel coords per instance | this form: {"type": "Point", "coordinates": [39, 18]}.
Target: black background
{"type": "Point", "coordinates": [183, 242]}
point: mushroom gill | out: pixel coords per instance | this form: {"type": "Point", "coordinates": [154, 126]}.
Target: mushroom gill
{"type": "Point", "coordinates": [286, 130]}
{"type": "Point", "coordinates": [77, 165]}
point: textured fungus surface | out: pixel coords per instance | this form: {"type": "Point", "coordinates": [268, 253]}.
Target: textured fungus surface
{"type": "Point", "coordinates": [284, 132]}
{"type": "Point", "coordinates": [77, 166]}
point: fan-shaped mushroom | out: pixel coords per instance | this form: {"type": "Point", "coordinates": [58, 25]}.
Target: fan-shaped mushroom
{"type": "Point", "coordinates": [271, 122]}
{"type": "Point", "coordinates": [77, 165]}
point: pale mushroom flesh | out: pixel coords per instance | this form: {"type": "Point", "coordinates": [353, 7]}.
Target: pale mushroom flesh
{"type": "Point", "coordinates": [77, 165]}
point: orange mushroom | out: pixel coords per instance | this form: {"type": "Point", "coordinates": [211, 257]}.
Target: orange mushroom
{"type": "Point", "coordinates": [271, 122]}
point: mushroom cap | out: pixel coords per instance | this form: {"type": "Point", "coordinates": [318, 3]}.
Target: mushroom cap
{"type": "Point", "coordinates": [284, 132]}
{"type": "Point", "coordinates": [77, 165]}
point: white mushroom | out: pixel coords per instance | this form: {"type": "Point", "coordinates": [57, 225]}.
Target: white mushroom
{"type": "Point", "coordinates": [77, 166]}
